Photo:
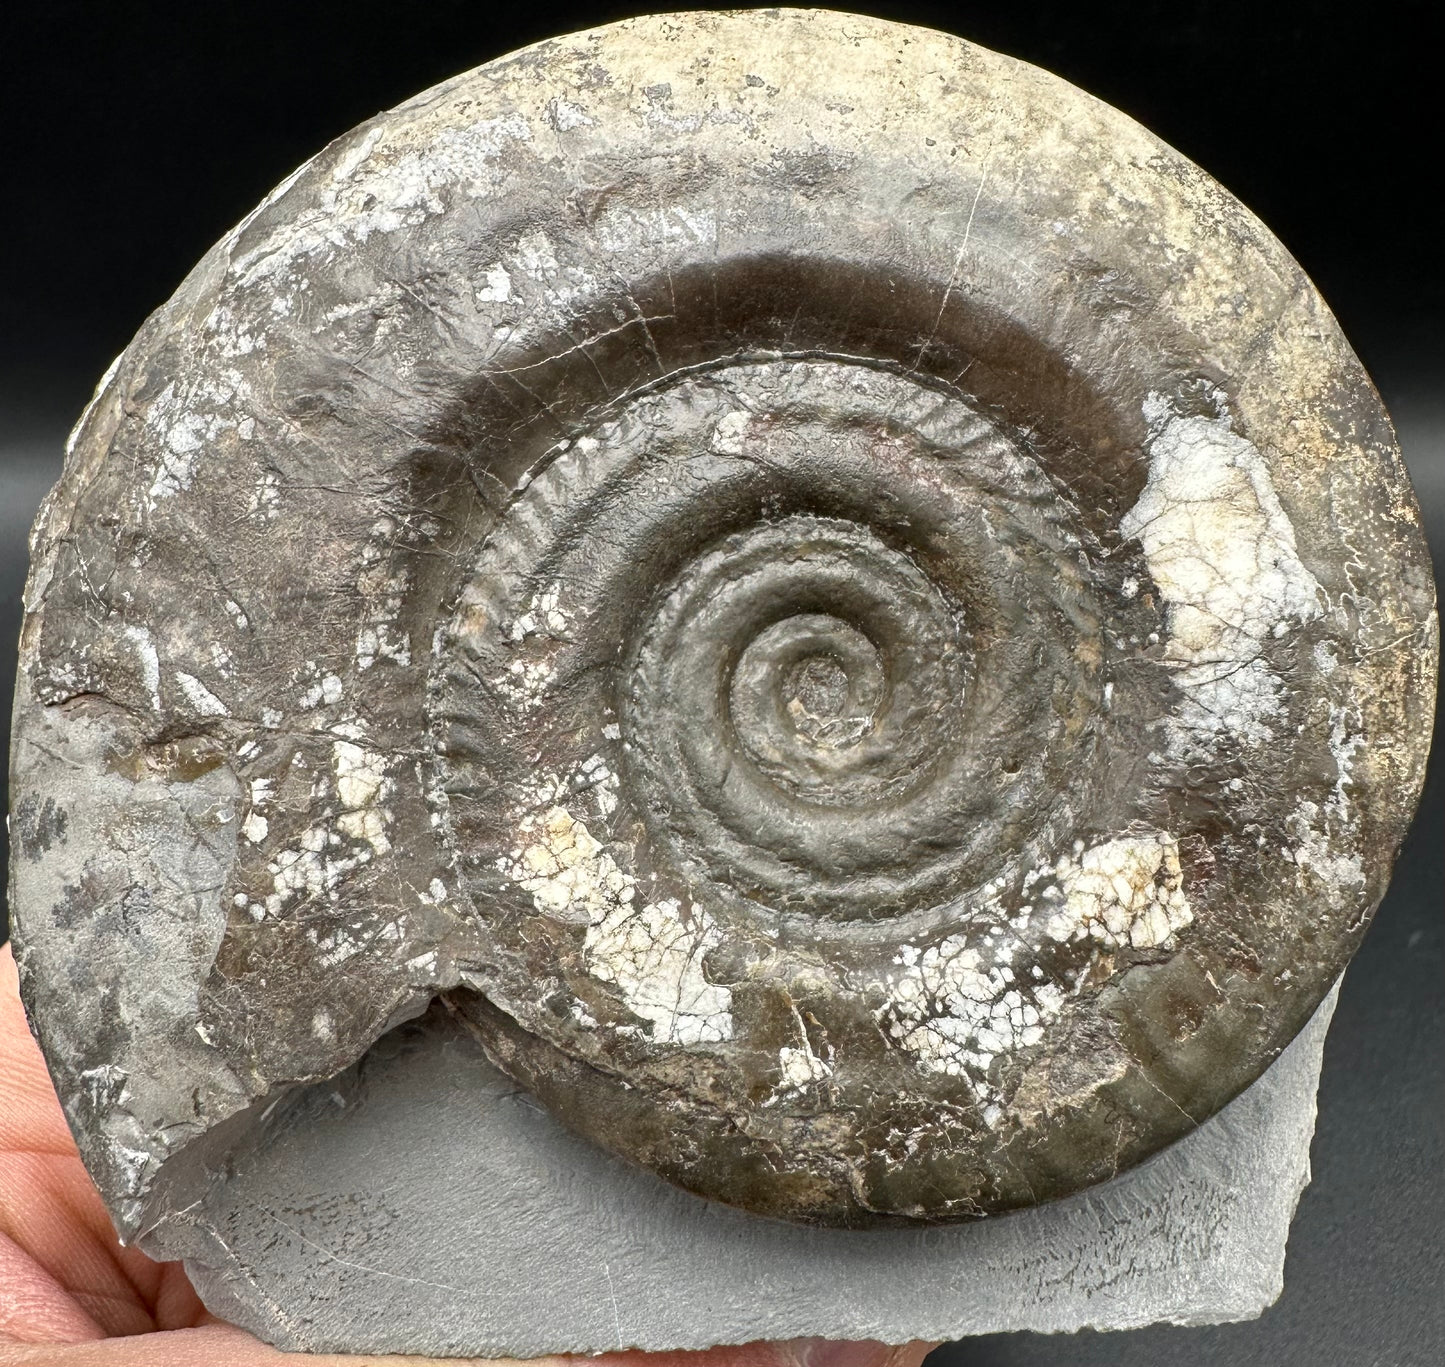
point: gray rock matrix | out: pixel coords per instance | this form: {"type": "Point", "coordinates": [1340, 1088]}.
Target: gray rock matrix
{"type": "Point", "coordinates": [422, 1203]}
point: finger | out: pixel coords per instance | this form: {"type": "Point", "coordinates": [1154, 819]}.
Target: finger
{"type": "Point", "coordinates": [63, 1273]}
{"type": "Point", "coordinates": [222, 1346]}
{"type": "Point", "coordinates": [34, 1307]}
{"type": "Point", "coordinates": [30, 1114]}
{"type": "Point", "coordinates": [805, 1352]}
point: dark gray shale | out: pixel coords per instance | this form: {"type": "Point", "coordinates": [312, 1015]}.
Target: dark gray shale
{"type": "Point", "coordinates": [852, 609]}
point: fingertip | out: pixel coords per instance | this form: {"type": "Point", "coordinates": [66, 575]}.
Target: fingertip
{"type": "Point", "coordinates": [821, 1352]}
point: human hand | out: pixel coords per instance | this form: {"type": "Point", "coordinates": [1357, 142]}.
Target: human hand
{"type": "Point", "coordinates": [72, 1296]}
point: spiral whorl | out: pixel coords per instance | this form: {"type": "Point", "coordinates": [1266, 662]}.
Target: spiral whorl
{"type": "Point", "coordinates": [849, 611]}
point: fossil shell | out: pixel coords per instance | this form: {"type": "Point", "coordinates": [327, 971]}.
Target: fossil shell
{"type": "Point", "coordinates": [852, 608]}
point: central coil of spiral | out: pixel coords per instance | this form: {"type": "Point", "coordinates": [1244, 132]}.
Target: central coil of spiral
{"type": "Point", "coordinates": [795, 704]}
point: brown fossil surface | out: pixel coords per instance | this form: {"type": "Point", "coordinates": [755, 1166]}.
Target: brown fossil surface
{"type": "Point", "coordinates": [853, 610]}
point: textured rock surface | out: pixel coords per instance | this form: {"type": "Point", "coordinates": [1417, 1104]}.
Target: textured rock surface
{"type": "Point", "coordinates": [850, 608]}
{"type": "Point", "coordinates": [421, 1201]}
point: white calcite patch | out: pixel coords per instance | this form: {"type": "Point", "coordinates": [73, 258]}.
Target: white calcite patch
{"type": "Point", "coordinates": [362, 785]}
{"type": "Point", "coordinates": [496, 286]}
{"type": "Point", "coordinates": [206, 703]}
{"type": "Point", "coordinates": [958, 1004]}
{"type": "Point", "coordinates": [386, 182]}
{"type": "Point", "coordinates": [326, 689]}
{"type": "Point", "coordinates": [731, 432]}
{"type": "Point", "coordinates": [1324, 833]}
{"type": "Point", "coordinates": [360, 774]}
{"type": "Point", "coordinates": [597, 777]}
{"type": "Point", "coordinates": [255, 828]}
{"type": "Point", "coordinates": [525, 683]}
{"type": "Point", "coordinates": [150, 664]}
{"type": "Point", "coordinates": [383, 586]}
{"type": "Point", "coordinates": [651, 952]}
{"type": "Point", "coordinates": [1128, 891]}
{"type": "Point", "coordinates": [306, 870]}
{"type": "Point", "coordinates": [184, 424]}
{"type": "Point", "coordinates": [264, 501]}
{"type": "Point", "coordinates": [1222, 552]}
{"type": "Point", "coordinates": [544, 619]}
{"type": "Point", "coordinates": [801, 1067]}
{"type": "Point", "coordinates": [955, 1006]}
{"type": "Point", "coordinates": [544, 615]}
{"type": "Point", "coordinates": [315, 864]}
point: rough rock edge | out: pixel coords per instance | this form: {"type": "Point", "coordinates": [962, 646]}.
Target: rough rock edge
{"type": "Point", "coordinates": [605, 1257]}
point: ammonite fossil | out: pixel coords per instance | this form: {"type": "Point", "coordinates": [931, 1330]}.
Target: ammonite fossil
{"type": "Point", "coordinates": [852, 610]}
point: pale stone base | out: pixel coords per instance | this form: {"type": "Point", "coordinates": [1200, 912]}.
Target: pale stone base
{"type": "Point", "coordinates": [421, 1203]}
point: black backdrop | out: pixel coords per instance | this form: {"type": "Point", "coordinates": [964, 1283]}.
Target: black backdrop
{"type": "Point", "coordinates": [136, 132]}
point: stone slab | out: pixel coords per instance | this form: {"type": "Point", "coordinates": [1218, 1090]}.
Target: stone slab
{"type": "Point", "coordinates": [421, 1202]}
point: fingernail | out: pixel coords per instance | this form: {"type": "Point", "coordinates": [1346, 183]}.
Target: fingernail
{"type": "Point", "coordinates": [853, 1353]}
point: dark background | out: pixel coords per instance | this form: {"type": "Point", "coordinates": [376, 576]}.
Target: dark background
{"type": "Point", "coordinates": [135, 134]}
